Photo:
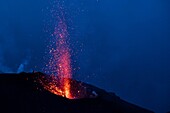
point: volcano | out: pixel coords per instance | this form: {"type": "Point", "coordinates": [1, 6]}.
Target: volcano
{"type": "Point", "coordinates": [25, 93]}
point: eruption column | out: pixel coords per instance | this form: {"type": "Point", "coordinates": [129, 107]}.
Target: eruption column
{"type": "Point", "coordinates": [60, 60]}
{"type": "Point", "coordinates": [63, 57]}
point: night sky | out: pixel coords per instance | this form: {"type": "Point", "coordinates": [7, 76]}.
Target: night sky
{"type": "Point", "coordinates": [121, 46]}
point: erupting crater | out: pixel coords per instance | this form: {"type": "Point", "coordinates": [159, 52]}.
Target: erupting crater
{"type": "Point", "coordinates": [59, 66]}
{"type": "Point", "coordinates": [73, 90]}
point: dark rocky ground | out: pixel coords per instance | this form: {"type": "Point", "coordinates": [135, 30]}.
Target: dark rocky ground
{"type": "Point", "coordinates": [21, 93]}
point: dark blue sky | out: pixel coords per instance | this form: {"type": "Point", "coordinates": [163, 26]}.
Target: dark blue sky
{"type": "Point", "coordinates": [125, 44]}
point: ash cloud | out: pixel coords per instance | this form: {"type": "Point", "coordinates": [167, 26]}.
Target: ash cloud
{"type": "Point", "coordinates": [23, 66]}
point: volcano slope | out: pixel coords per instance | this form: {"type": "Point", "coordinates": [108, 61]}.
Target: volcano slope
{"type": "Point", "coordinates": [23, 93]}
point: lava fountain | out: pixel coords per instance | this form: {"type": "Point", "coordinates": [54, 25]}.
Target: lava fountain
{"type": "Point", "coordinates": [59, 66]}
{"type": "Point", "coordinates": [62, 57]}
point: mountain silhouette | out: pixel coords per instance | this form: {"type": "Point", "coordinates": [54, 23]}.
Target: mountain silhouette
{"type": "Point", "coordinates": [23, 93]}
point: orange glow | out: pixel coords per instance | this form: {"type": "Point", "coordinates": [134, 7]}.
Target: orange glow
{"type": "Point", "coordinates": [57, 86]}
{"type": "Point", "coordinates": [64, 87]}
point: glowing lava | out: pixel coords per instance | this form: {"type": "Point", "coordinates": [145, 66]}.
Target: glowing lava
{"type": "Point", "coordinates": [60, 60]}
{"type": "Point", "coordinates": [62, 56]}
